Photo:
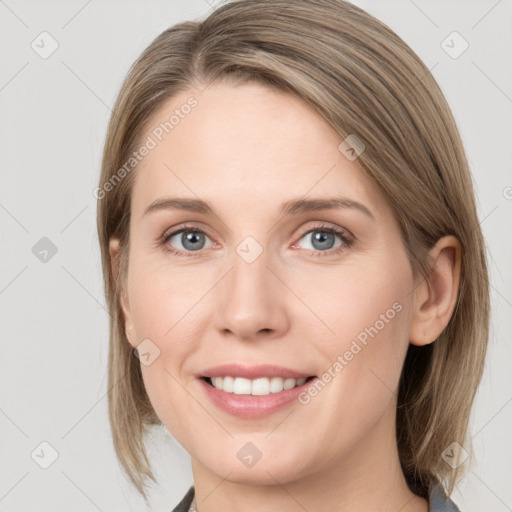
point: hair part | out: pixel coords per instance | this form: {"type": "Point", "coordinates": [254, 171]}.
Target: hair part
{"type": "Point", "coordinates": [363, 79]}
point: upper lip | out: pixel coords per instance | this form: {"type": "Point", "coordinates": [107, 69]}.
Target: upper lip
{"type": "Point", "coordinates": [253, 372]}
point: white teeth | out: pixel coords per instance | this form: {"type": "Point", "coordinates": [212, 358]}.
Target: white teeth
{"type": "Point", "coordinates": [289, 383]}
{"type": "Point", "coordinates": [260, 387]}
{"type": "Point", "coordinates": [241, 386]}
{"type": "Point", "coordinates": [227, 384]}
{"type": "Point", "coordinates": [276, 384]}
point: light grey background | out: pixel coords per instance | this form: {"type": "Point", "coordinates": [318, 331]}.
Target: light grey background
{"type": "Point", "coordinates": [54, 323]}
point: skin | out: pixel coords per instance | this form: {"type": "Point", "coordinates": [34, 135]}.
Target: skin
{"type": "Point", "coordinates": [245, 150]}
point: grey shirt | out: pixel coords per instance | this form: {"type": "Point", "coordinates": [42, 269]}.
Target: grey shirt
{"type": "Point", "coordinates": [438, 502]}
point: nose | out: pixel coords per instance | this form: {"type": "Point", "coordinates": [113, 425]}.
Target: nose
{"type": "Point", "coordinates": [251, 301]}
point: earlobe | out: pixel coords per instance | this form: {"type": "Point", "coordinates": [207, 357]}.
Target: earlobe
{"type": "Point", "coordinates": [125, 305]}
{"type": "Point", "coordinates": [435, 298]}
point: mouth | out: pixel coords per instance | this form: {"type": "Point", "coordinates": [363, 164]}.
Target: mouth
{"type": "Point", "coordinates": [252, 392]}
{"type": "Point", "coordinates": [261, 386]}
{"type": "Point", "coordinates": [255, 391]}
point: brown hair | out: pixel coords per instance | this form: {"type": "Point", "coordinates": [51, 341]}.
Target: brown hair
{"type": "Point", "coordinates": [362, 79]}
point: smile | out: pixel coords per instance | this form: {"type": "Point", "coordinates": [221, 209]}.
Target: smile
{"type": "Point", "coordinates": [258, 387]}
{"type": "Point", "coordinates": [254, 391]}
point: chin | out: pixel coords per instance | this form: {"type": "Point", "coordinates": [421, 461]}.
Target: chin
{"type": "Point", "coordinates": [250, 465]}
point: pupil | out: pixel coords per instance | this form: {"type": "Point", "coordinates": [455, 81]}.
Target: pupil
{"type": "Point", "coordinates": [324, 239]}
{"type": "Point", "coordinates": [190, 239]}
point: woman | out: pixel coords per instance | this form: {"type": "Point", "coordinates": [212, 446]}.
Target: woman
{"type": "Point", "coordinates": [322, 344]}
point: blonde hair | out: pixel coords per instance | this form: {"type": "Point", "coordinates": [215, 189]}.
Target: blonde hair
{"type": "Point", "coordinates": [362, 79]}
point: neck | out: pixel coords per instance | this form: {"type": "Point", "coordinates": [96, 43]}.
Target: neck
{"type": "Point", "coordinates": [368, 477]}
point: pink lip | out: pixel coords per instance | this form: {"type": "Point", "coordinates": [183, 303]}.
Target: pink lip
{"type": "Point", "coordinates": [253, 372]}
{"type": "Point", "coordinates": [251, 406]}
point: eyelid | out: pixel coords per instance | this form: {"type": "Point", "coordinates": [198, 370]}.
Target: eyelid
{"type": "Point", "coordinates": [328, 226]}
{"type": "Point", "coordinates": [184, 227]}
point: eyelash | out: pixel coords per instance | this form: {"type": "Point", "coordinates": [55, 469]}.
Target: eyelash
{"type": "Point", "coordinates": [346, 238]}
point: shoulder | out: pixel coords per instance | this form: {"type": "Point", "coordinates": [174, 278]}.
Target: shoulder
{"type": "Point", "coordinates": [439, 502]}
{"type": "Point", "coordinates": [184, 504]}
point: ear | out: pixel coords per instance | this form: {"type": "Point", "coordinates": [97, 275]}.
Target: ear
{"type": "Point", "coordinates": [435, 297]}
{"type": "Point", "coordinates": [125, 305]}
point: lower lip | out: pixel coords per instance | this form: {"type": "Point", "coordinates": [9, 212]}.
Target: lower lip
{"type": "Point", "coordinates": [252, 406]}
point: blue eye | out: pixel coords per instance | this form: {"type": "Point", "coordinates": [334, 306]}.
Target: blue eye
{"type": "Point", "coordinates": [323, 240]}
{"type": "Point", "coordinates": [193, 239]}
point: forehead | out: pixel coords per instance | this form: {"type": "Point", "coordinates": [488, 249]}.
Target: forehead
{"type": "Point", "coordinates": [246, 145]}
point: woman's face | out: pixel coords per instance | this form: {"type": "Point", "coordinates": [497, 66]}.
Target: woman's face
{"type": "Point", "coordinates": [263, 286]}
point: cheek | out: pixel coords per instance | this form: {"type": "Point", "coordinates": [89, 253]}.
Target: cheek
{"type": "Point", "coordinates": [367, 308]}
{"type": "Point", "coordinates": [169, 307]}
{"type": "Point", "coordinates": [360, 300]}
{"type": "Point", "coordinates": [366, 311]}
{"type": "Point", "coordinates": [164, 299]}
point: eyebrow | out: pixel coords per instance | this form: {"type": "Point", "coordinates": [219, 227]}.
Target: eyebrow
{"type": "Point", "coordinates": [292, 207]}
